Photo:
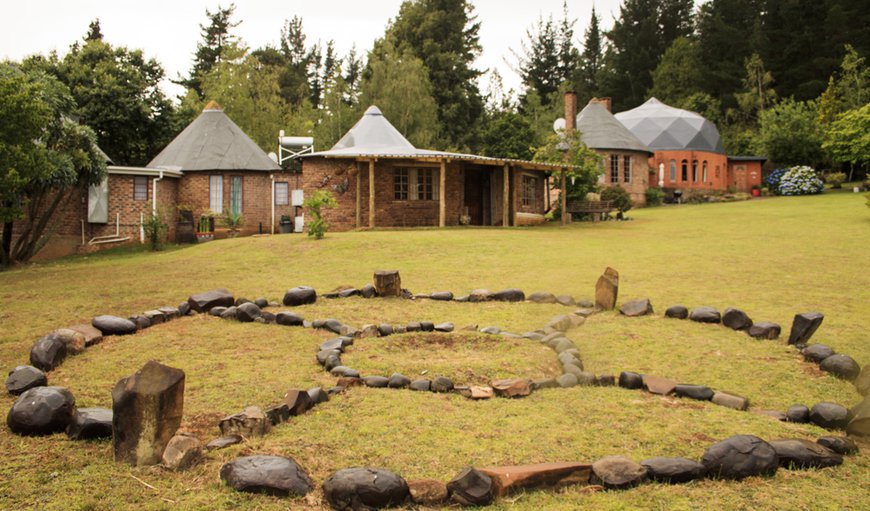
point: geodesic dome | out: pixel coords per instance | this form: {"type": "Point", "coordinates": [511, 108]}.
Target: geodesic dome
{"type": "Point", "coordinates": [665, 128]}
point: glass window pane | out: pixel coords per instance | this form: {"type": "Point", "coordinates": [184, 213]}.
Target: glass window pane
{"type": "Point", "coordinates": [673, 175]}
{"type": "Point", "coordinates": [282, 193]}
{"type": "Point", "coordinates": [216, 194]}
{"type": "Point", "coordinates": [140, 188]}
{"type": "Point", "coordinates": [236, 195]}
{"type": "Point", "coordinates": [626, 169]}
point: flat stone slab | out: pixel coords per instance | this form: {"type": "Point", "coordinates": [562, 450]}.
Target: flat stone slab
{"type": "Point", "coordinates": [540, 475]}
{"type": "Point", "coordinates": [205, 302]}
{"type": "Point", "coordinates": [516, 387]}
{"type": "Point", "coordinates": [617, 472]}
{"type": "Point", "coordinates": [365, 488]}
{"type": "Point", "coordinates": [799, 453]}
{"type": "Point", "coordinates": [673, 470]}
{"type": "Point", "coordinates": [658, 385]}
{"type": "Point", "coordinates": [90, 423]}
{"type": "Point", "coordinates": [730, 400]}
{"type": "Point", "coordinates": [275, 475]}
{"type": "Point", "coordinates": [636, 308]}
{"type": "Point", "coordinates": [705, 315]}
{"type": "Point", "coordinates": [224, 441]}
{"type": "Point", "coordinates": [92, 334]}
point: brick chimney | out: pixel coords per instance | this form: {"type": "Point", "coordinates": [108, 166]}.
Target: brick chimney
{"type": "Point", "coordinates": [605, 102]}
{"type": "Point", "coordinates": [570, 112]}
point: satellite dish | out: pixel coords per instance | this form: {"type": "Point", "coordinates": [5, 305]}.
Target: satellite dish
{"type": "Point", "coordinates": [273, 157]}
{"type": "Point", "coordinates": [559, 125]}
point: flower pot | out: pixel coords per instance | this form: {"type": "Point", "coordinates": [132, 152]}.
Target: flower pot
{"type": "Point", "coordinates": [204, 236]}
{"type": "Point", "coordinates": [756, 192]}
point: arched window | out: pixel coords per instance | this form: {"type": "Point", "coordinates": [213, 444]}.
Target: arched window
{"type": "Point", "coordinates": [704, 171]}
{"type": "Point", "coordinates": [685, 175]}
{"type": "Point", "coordinates": [673, 174]}
{"type": "Point", "coordinates": [614, 168]}
{"type": "Point", "coordinates": [695, 171]}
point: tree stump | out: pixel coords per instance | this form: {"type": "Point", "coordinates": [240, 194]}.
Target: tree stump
{"type": "Point", "coordinates": [607, 289]}
{"type": "Point", "coordinates": [388, 283]}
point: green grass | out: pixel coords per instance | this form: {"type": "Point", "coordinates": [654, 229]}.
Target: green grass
{"type": "Point", "coordinates": [771, 257]}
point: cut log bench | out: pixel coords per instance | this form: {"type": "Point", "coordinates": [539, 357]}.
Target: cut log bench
{"type": "Point", "coordinates": [596, 208]}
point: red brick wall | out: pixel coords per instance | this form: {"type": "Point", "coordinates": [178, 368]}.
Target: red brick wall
{"type": "Point", "coordinates": [640, 173]}
{"type": "Point", "coordinates": [717, 170]}
{"type": "Point", "coordinates": [742, 175]}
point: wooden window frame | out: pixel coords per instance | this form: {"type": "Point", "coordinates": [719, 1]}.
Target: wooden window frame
{"type": "Point", "coordinates": [211, 195]}
{"type": "Point", "coordinates": [530, 189]}
{"type": "Point", "coordinates": [241, 181]}
{"type": "Point", "coordinates": [626, 169]}
{"type": "Point", "coordinates": [286, 193]}
{"type": "Point", "coordinates": [614, 168]}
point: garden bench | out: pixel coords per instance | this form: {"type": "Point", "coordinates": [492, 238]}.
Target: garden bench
{"type": "Point", "coordinates": [597, 208]}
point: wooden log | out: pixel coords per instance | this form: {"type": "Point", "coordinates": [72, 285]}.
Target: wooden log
{"type": "Point", "coordinates": [505, 210]}
{"type": "Point", "coordinates": [388, 283]}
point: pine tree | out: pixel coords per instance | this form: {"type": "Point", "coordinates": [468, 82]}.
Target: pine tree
{"type": "Point", "coordinates": [216, 38]}
{"type": "Point", "coordinates": [592, 58]}
{"type": "Point", "coordinates": [94, 32]}
{"type": "Point", "coordinates": [548, 57]}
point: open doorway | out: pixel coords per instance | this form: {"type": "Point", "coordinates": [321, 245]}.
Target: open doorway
{"type": "Point", "coordinates": [478, 202]}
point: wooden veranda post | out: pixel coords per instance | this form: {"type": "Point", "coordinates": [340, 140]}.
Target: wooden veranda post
{"type": "Point", "coordinates": [442, 195]}
{"type": "Point", "coordinates": [505, 210]}
{"type": "Point", "coordinates": [371, 194]}
{"type": "Point", "coordinates": [563, 197]}
{"type": "Point", "coordinates": [358, 198]}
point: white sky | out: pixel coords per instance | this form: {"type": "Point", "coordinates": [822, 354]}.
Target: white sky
{"type": "Point", "coordinates": [169, 30]}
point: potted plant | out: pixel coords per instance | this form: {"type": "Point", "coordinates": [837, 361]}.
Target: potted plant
{"type": "Point", "coordinates": [756, 191]}
{"type": "Point", "coordinates": [286, 224]}
{"type": "Point", "coordinates": [232, 221]}
{"type": "Point", "coordinates": [205, 226]}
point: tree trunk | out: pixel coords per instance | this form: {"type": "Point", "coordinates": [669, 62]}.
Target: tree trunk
{"type": "Point", "coordinates": [6, 250]}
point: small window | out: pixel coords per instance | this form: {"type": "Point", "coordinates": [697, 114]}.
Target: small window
{"type": "Point", "coordinates": [685, 173]}
{"type": "Point", "coordinates": [282, 193]}
{"type": "Point", "coordinates": [400, 184]}
{"type": "Point", "coordinates": [216, 193]}
{"type": "Point", "coordinates": [236, 195]}
{"type": "Point", "coordinates": [695, 171]}
{"type": "Point", "coordinates": [614, 168]}
{"type": "Point", "coordinates": [626, 169]}
{"type": "Point", "coordinates": [673, 175]}
{"type": "Point", "coordinates": [140, 188]}
{"type": "Point", "coordinates": [530, 187]}
{"type": "Point", "coordinates": [425, 184]}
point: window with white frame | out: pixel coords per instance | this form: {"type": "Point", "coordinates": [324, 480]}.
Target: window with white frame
{"type": "Point", "coordinates": [282, 193]}
{"type": "Point", "coordinates": [415, 183]}
{"type": "Point", "coordinates": [140, 187]}
{"type": "Point", "coordinates": [216, 193]}
{"type": "Point", "coordinates": [673, 174]}
{"type": "Point", "coordinates": [530, 188]}
{"type": "Point", "coordinates": [614, 168]}
{"type": "Point", "coordinates": [626, 169]}
{"type": "Point", "coordinates": [704, 171]}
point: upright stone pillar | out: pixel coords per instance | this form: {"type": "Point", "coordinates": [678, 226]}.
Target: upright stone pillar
{"type": "Point", "coordinates": [147, 409]}
{"type": "Point", "coordinates": [607, 289]}
{"type": "Point", "coordinates": [388, 283]}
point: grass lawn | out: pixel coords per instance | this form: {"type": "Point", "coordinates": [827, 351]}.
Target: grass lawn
{"type": "Point", "coordinates": [772, 258]}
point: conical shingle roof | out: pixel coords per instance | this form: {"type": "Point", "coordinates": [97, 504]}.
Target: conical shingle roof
{"type": "Point", "coordinates": [213, 142]}
{"type": "Point", "coordinates": [665, 128]}
{"type": "Point", "coordinates": [600, 130]}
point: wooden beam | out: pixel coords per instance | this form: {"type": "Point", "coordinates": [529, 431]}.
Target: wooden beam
{"type": "Point", "coordinates": [442, 195]}
{"type": "Point", "coordinates": [358, 198]}
{"type": "Point", "coordinates": [371, 194]}
{"type": "Point", "coordinates": [505, 209]}
{"type": "Point", "coordinates": [563, 197]}
{"type": "Point", "coordinates": [514, 197]}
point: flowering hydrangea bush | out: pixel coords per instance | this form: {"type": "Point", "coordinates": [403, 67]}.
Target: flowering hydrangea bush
{"type": "Point", "coordinates": [800, 180]}
{"type": "Point", "coordinates": [774, 178]}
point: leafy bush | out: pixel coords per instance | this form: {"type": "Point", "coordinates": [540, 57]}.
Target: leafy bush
{"type": "Point", "coordinates": [232, 221]}
{"type": "Point", "coordinates": [620, 197]}
{"type": "Point", "coordinates": [835, 179]}
{"type": "Point", "coordinates": [155, 230]}
{"type": "Point", "coordinates": [318, 200]}
{"type": "Point", "coordinates": [654, 196]}
{"type": "Point", "coordinates": [773, 180]}
{"type": "Point", "coordinates": [800, 180]}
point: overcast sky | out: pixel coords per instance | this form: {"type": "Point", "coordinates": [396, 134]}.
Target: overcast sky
{"type": "Point", "coordinates": [169, 30]}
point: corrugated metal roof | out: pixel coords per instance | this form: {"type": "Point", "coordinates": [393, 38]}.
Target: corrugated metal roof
{"type": "Point", "coordinates": [213, 142]}
{"type": "Point", "coordinates": [599, 129]}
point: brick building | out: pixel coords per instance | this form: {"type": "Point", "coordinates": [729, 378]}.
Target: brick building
{"type": "Point", "coordinates": [379, 179]}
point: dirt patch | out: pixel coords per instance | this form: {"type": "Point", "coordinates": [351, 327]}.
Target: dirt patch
{"type": "Point", "coordinates": [203, 425]}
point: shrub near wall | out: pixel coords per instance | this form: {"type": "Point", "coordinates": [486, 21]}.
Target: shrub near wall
{"type": "Point", "coordinates": [800, 180]}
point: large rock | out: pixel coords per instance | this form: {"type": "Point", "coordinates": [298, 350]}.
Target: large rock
{"type": "Point", "coordinates": [90, 423]}
{"type": "Point", "coordinates": [249, 423]}
{"type": "Point", "coordinates": [514, 387]}
{"type": "Point", "coordinates": [248, 312]}
{"type": "Point", "coordinates": [275, 475]}
{"type": "Point", "coordinates": [764, 330]}
{"type": "Point", "coordinates": [365, 488]}
{"type": "Point", "coordinates": [91, 333]}
{"type": "Point", "coordinates": [298, 401]}
{"type": "Point", "coordinates": [75, 341]}
{"type": "Point", "coordinates": [797, 413]}
{"type": "Point", "coordinates": [740, 456]}
{"type": "Point", "coordinates": [47, 353]}
{"type": "Point", "coordinates": [630, 380]}
{"type": "Point", "coordinates": [300, 295]}
{"type": "Point", "coordinates": [839, 444]}
{"type": "Point", "coordinates": [41, 411]}
{"type": "Point", "coordinates": [113, 325]}
{"type": "Point", "coordinates": [607, 289]}
{"type": "Point", "coordinates": [560, 323]}
{"type": "Point", "coordinates": [677, 312]}
{"type": "Point", "coordinates": [841, 366]}
{"type": "Point", "coordinates": [705, 315]}
{"type": "Point", "coordinates": [147, 408]}
{"type": "Point", "coordinates": [736, 319]}
{"type": "Point", "coordinates": [798, 453]}
{"type": "Point", "coordinates": [287, 318]}
{"type": "Point", "coordinates": [442, 296]}
{"type": "Point", "coordinates": [442, 384]}
{"type": "Point", "coordinates": [182, 452]}
{"type": "Point", "coordinates": [541, 475]}
{"type": "Point", "coordinates": [699, 392]}
{"type": "Point", "coordinates": [542, 297]}
{"type": "Point", "coordinates": [204, 302]}
{"type": "Point", "coordinates": [376, 382]}
{"type": "Point", "coordinates": [471, 487]}
{"type": "Point", "coordinates": [860, 423]}
{"type": "Point", "coordinates": [804, 326]}
{"type": "Point", "coordinates": [318, 395]}
{"type": "Point", "coordinates": [658, 385]}
{"type": "Point", "coordinates": [24, 378]}
{"type": "Point", "coordinates": [673, 470]}
{"type": "Point", "coordinates": [862, 382]}
{"type": "Point", "coordinates": [829, 415]}
{"type": "Point", "coordinates": [817, 353]}
{"type": "Point", "coordinates": [617, 472]}
{"type": "Point", "coordinates": [398, 381]}
{"type": "Point", "coordinates": [508, 295]}
{"type": "Point", "coordinates": [567, 380]}
{"type": "Point", "coordinates": [427, 492]}
{"type": "Point", "coordinates": [730, 400]}
{"type": "Point", "coordinates": [479, 295]}
{"type": "Point", "coordinates": [635, 308]}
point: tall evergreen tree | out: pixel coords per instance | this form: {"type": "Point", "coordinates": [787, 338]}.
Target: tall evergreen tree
{"type": "Point", "coordinates": [216, 38]}
{"type": "Point", "coordinates": [94, 32]}
{"type": "Point", "coordinates": [294, 81]}
{"type": "Point", "coordinates": [679, 74]}
{"type": "Point", "coordinates": [592, 59]}
{"type": "Point", "coordinates": [548, 57]}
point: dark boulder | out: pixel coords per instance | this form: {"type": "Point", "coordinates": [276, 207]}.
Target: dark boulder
{"type": "Point", "coordinates": [673, 470]}
{"type": "Point", "coordinates": [699, 392]}
{"type": "Point", "coordinates": [798, 453]}
{"type": "Point", "coordinates": [422, 385]}
{"type": "Point", "coordinates": [398, 381]}
{"type": "Point", "coordinates": [301, 295]}
{"type": "Point", "coordinates": [142, 321]}
{"type": "Point", "coordinates": [797, 413]}
{"type": "Point", "coordinates": [47, 353]}
{"type": "Point", "coordinates": [385, 330]}
{"type": "Point", "coordinates": [444, 327]}
{"type": "Point", "coordinates": [324, 355]}
{"type": "Point", "coordinates": [829, 415]}
{"type": "Point", "coordinates": [229, 312]}
{"type": "Point", "coordinates": [347, 293]}
{"type": "Point", "coordinates": [442, 384]}
{"type": "Point", "coordinates": [413, 326]}
{"type": "Point", "coordinates": [508, 295]}
{"type": "Point", "coordinates": [377, 382]}
{"type": "Point", "coordinates": [740, 456]}
{"type": "Point", "coordinates": [248, 312]}
{"type": "Point", "coordinates": [635, 308]}
{"type": "Point", "coordinates": [816, 353]}
{"type": "Point", "coordinates": [427, 326]}
{"type": "Point", "coordinates": [442, 296]}
{"type": "Point", "coordinates": [318, 395]}
{"type": "Point", "coordinates": [90, 423]}
{"type": "Point", "coordinates": [677, 312]}
{"type": "Point", "coordinates": [841, 366]}
{"type": "Point", "coordinates": [705, 315]}
{"type": "Point", "coordinates": [629, 380]}
{"type": "Point", "coordinates": [542, 297]}
{"type": "Point", "coordinates": [41, 411]}
{"type": "Point", "coordinates": [736, 319]}
{"type": "Point", "coordinates": [261, 302]}
{"type": "Point", "coordinates": [471, 487]}
{"type": "Point", "coordinates": [240, 301]}
{"type": "Point", "coordinates": [275, 475]}
{"type": "Point", "coordinates": [764, 330]}
{"type": "Point", "coordinates": [617, 472]}
{"type": "Point", "coordinates": [839, 444]}
{"type": "Point", "coordinates": [368, 291]}
{"type": "Point", "coordinates": [344, 372]}
{"type": "Point", "coordinates": [113, 325]}
{"type": "Point", "coordinates": [205, 302]}
{"type": "Point", "coordinates": [333, 325]}
{"type": "Point", "coordinates": [298, 401]}
{"type": "Point", "coordinates": [183, 308]}
{"type": "Point", "coordinates": [217, 311]}
{"type": "Point", "coordinates": [355, 489]}
{"type": "Point", "coordinates": [804, 326]}
{"type": "Point", "coordinates": [24, 378]}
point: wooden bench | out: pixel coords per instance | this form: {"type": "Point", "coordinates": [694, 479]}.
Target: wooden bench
{"type": "Point", "coordinates": [596, 208]}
